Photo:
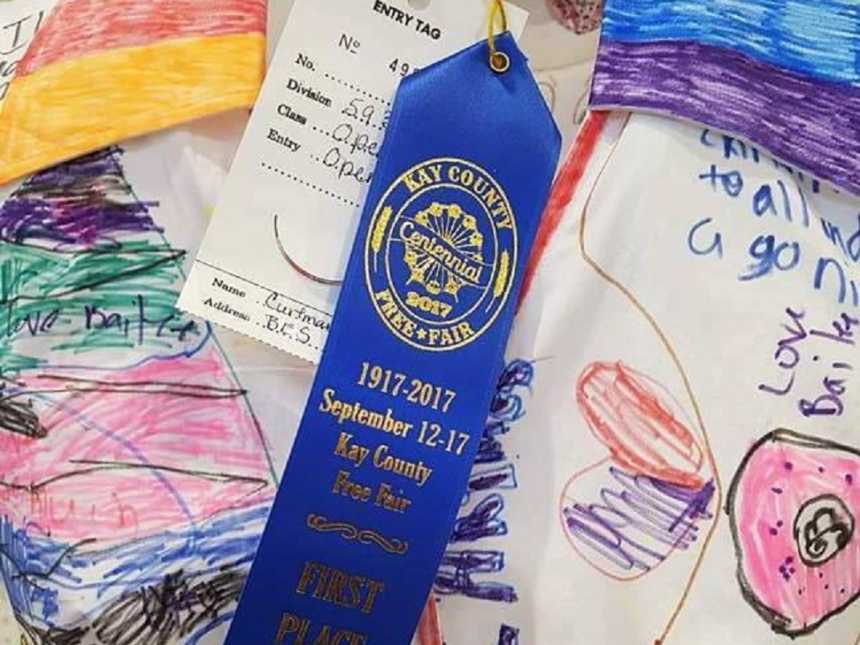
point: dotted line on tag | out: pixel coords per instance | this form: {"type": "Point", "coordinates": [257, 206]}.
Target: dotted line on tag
{"type": "Point", "coordinates": [355, 88]}
{"type": "Point", "coordinates": [381, 128]}
{"type": "Point", "coordinates": [301, 181]}
{"type": "Point", "coordinates": [330, 135]}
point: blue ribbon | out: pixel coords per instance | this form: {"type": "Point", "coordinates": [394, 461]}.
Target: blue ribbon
{"type": "Point", "coordinates": [395, 415]}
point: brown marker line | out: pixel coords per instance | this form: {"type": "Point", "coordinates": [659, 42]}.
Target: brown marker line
{"type": "Point", "coordinates": [676, 360]}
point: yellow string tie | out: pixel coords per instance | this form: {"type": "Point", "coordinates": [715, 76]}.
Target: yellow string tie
{"type": "Point", "coordinates": [499, 61]}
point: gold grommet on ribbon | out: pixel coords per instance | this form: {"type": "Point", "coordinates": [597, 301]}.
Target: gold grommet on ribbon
{"type": "Point", "coordinates": [499, 61]}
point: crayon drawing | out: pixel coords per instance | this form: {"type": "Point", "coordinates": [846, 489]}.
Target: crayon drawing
{"type": "Point", "coordinates": [651, 496]}
{"type": "Point", "coordinates": [98, 73]}
{"type": "Point", "coordinates": [18, 26]}
{"type": "Point", "coordinates": [636, 513]}
{"type": "Point", "coordinates": [657, 452]}
{"type": "Point", "coordinates": [493, 474]}
{"type": "Point", "coordinates": [135, 477]}
{"type": "Point", "coordinates": [780, 73]}
{"type": "Point", "coordinates": [478, 572]}
{"type": "Point", "coordinates": [793, 505]}
{"type": "Point", "coordinates": [580, 16]}
{"type": "Point", "coordinates": [793, 502]}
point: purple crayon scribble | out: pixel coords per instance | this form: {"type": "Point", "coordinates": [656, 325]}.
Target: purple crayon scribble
{"type": "Point", "coordinates": [75, 206]}
{"type": "Point", "coordinates": [456, 570]}
{"type": "Point", "coordinates": [509, 635]}
{"type": "Point", "coordinates": [493, 472]}
{"type": "Point", "coordinates": [637, 526]}
{"type": "Point", "coordinates": [809, 123]}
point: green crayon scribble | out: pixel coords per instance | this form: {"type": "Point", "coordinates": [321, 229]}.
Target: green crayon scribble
{"type": "Point", "coordinates": [83, 301]}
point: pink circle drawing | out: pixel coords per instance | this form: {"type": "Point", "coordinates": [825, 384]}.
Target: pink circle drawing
{"type": "Point", "coordinates": [793, 506]}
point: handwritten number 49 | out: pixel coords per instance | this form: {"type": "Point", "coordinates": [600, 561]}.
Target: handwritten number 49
{"type": "Point", "coordinates": [401, 67]}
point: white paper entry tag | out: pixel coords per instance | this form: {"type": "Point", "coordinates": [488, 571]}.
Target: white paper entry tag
{"type": "Point", "coordinates": [281, 233]}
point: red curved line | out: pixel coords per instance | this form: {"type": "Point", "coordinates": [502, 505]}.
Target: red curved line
{"type": "Point", "coordinates": [687, 386]}
{"type": "Point", "coordinates": [562, 192]}
{"type": "Point", "coordinates": [429, 628]}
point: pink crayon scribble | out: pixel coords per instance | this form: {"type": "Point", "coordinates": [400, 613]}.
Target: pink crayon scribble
{"type": "Point", "coordinates": [794, 505]}
{"type": "Point", "coordinates": [116, 461]}
{"type": "Point", "coordinates": [580, 16]}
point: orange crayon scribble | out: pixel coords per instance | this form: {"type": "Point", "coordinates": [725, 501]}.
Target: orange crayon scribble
{"type": "Point", "coordinates": [624, 411]}
{"type": "Point", "coordinates": [72, 107]}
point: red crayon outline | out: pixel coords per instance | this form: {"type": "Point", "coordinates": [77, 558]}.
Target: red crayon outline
{"type": "Point", "coordinates": [651, 408]}
{"type": "Point", "coordinates": [562, 192]}
{"type": "Point", "coordinates": [664, 339]}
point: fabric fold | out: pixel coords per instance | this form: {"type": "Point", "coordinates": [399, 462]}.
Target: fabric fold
{"type": "Point", "coordinates": [99, 73]}
{"type": "Point", "coordinates": [783, 74]}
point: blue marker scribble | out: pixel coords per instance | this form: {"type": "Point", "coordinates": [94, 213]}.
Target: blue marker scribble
{"type": "Point", "coordinates": [846, 240]}
{"type": "Point", "coordinates": [493, 473]}
{"type": "Point", "coordinates": [509, 635]}
{"type": "Point", "coordinates": [172, 584]}
{"type": "Point", "coordinates": [458, 567]}
{"type": "Point", "coordinates": [716, 241]}
{"type": "Point", "coordinates": [483, 521]}
{"type": "Point", "coordinates": [732, 182]}
{"type": "Point", "coordinates": [847, 289]}
{"type": "Point", "coordinates": [770, 255]}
